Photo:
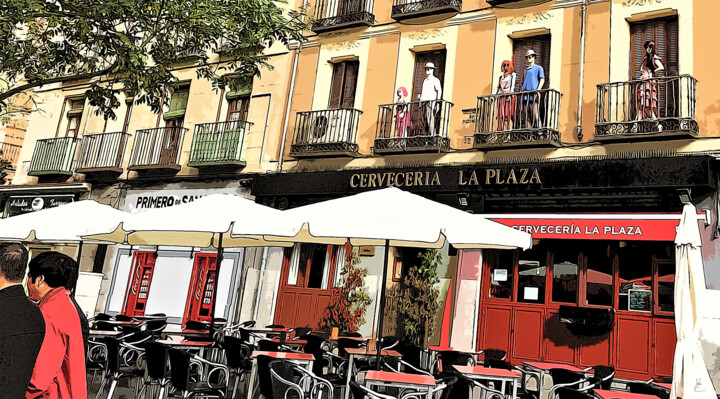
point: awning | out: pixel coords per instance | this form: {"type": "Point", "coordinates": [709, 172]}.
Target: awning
{"type": "Point", "coordinates": [621, 227]}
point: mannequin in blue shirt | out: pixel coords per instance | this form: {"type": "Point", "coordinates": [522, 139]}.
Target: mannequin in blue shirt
{"type": "Point", "coordinates": [533, 79]}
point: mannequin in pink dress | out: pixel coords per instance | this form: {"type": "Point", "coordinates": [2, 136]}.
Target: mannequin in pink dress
{"type": "Point", "coordinates": [647, 89]}
{"type": "Point", "coordinates": [506, 104]}
{"type": "Point", "coordinates": [402, 116]}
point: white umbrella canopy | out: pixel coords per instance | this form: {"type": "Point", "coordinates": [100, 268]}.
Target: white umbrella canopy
{"type": "Point", "coordinates": [64, 223]}
{"type": "Point", "coordinates": [690, 375]}
{"type": "Point", "coordinates": [200, 223]}
{"type": "Point", "coordinates": [397, 218]}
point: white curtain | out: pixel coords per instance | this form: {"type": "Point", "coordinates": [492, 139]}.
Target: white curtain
{"type": "Point", "coordinates": [326, 271]}
{"type": "Point", "coordinates": [339, 265]}
{"type": "Point", "coordinates": [294, 265]}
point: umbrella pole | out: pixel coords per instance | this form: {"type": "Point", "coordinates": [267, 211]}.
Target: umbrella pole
{"type": "Point", "coordinates": [217, 279]}
{"type": "Point", "coordinates": [381, 308]}
{"type": "Point", "coordinates": [77, 260]}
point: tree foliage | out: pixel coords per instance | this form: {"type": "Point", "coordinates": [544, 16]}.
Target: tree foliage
{"type": "Point", "coordinates": [346, 310]}
{"type": "Point", "coordinates": [133, 45]}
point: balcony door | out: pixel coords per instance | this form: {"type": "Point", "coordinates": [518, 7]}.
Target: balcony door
{"type": "Point", "coordinates": [170, 141]}
{"type": "Point", "coordinates": [418, 124]}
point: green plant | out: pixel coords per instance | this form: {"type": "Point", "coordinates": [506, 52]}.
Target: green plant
{"type": "Point", "coordinates": [416, 299]}
{"type": "Point", "coordinates": [346, 310]}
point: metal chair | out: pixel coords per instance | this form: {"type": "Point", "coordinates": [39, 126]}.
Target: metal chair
{"type": "Point", "coordinates": [122, 317]}
{"type": "Point", "coordinates": [237, 355]}
{"type": "Point", "coordinates": [602, 377]}
{"type": "Point", "coordinates": [154, 326]}
{"type": "Point", "coordinates": [647, 389]}
{"type": "Point", "coordinates": [317, 384]}
{"type": "Point", "coordinates": [360, 392]}
{"type": "Point", "coordinates": [441, 390]}
{"type": "Point", "coordinates": [281, 375]}
{"type": "Point", "coordinates": [156, 361]}
{"type": "Point", "coordinates": [443, 366]}
{"type": "Point", "coordinates": [192, 375]}
{"type": "Point", "coordinates": [96, 358]}
{"type": "Point", "coordinates": [464, 389]}
{"type": "Point", "coordinates": [492, 355]}
{"type": "Point", "coordinates": [125, 360]}
{"type": "Point", "coordinates": [567, 379]}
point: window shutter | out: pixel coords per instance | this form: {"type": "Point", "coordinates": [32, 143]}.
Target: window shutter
{"type": "Point", "coordinates": [350, 83]}
{"type": "Point", "coordinates": [337, 85]}
{"type": "Point", "coordinates": [437, 58]}
{"type": "Point", "coordinates": [179, 100]}
{"type": "Point", "coordinates": [672, 66]}
{"type": "Point", "coordinates": [541, 45]}
{"type": "Point", "coordinates": [665, 34]}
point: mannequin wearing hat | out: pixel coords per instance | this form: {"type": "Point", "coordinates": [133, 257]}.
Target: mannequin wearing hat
{"type": "Point", "coordinates": [431, 92]}
{"type": "Point", "coordinates": [533, 79]}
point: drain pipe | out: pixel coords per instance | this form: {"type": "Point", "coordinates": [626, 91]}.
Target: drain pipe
{"type": "Point", "coordinates": [296, 57]}
{"type": "Point", "coordinates": [582, 71]}
{"type": "Point", "coordinates": [263, 262]}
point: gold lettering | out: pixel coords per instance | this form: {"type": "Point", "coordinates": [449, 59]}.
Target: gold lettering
{"type": "Point", "coordinates": [523, 178]}
{"type": "Point", "coordinates": [363, 180]}
{"type": "Point", "coordinates": [427, 178]}
{"type": "Point", "coordinates": [535, 176]}
{"type": "Point", "coordinates": [373, 180]}
{"type": "Point", "coordinates": [353, 184]}
{"type": "Point", "coordinates": [512, 177]}
{"type": "Point", "coordinates": [489, 174]}
{"type": "Point", "coordinates": [381, 179]}
{"type": "Point", "coordinates": [435, 180]}
{"type": "Point", "coordinates": [418, 179]}
{"type": "Point", "coordinates": [391, 179]}
{"type": "Point", "coordinates": [408, 179]}
{"type": "Point", "coordinates": [398, 180]}
{"type": "Point", "coordinates": [497, 178]}
{"type": "Point", "coordinates": [460, 179]}
{"type": "Point", "coordinates": [473, 179]}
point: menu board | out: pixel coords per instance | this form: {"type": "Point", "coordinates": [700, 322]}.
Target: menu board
{"type": "Point", "coordinates": [639, 300]}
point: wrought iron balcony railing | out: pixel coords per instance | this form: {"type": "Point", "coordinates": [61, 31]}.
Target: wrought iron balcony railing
{"type": "Point", "coordinates": [661, 106]}
{"type": "Point", "coordinates": [10, 153]}
{"type": "Point", "coordinates": [521, 119]}
{"type": "Point", "coordinates": [218, 143]}
{"type": "Point", "coordinates": [404, 9]}
{"type": "Point", "coordinates": [339, 14]}
{"type": "Point", "coordinates": [330, 132]}
{"type": "Point", "coordinates": [419, 126]}
{"type": "Point", "coordinates": [102, 152]}
{"type": "Point", "coordinates": [157, 148]}
{"type": "Point", "coordinates": [53, 157]}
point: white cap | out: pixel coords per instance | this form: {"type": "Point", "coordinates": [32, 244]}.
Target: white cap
{"type": "Point", "coordinates": [429, 65]}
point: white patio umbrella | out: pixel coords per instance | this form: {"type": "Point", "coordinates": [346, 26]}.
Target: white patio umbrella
{"type": "Point", "coordinates": [690, 375]}
{"type": "Point", "coordinates": [204, 222]}
{"type": "Point", "coordinates": [393, 217]}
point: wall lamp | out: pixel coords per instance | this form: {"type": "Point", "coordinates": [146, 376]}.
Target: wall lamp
{"type": "Point", "coordinates": [684, 194]}
{"type": "Point", "coordinates": [462, 199]}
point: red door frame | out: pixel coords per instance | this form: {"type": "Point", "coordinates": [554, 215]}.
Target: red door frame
{"type": "Point", "coordinates": [138, 286]}
{"type": "Point", "coordinates": [203, 289]}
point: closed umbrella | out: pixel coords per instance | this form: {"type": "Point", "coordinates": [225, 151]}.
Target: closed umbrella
{"type": "Point", "coordinates": [690, 375]}
{"type": "Point", "coordinates": [392, 217]}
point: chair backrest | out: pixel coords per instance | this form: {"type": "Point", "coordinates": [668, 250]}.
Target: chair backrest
{"type": "Point", "coordinates": [498, 364]}
{"type": "Point", "coordinates": [264, 378]}
{"type": "Point", "coordinates": [104, 325]}
{"type": "Point", "coordinates": [156, 358]}
{"type": "Point", "coordinates": [179, 368]}
{"type": "Point", "coordinates": [449, 383]}
{"type": "Point", "coordinates": [605, 374]}
{"type": "Point", "coordinates": [647, 389]}
{"type": "Point", "coordinates": [344, 343]}
{"type": "Point", "coordinates": [562, 376]}
{"type": "Point", "coordinates": [281, 375]}
{"type": "Point", "coordinates": [314, 346]}
{"type": "Point", "coordinates": [157, 315]}
{"type": "Point", "coordinates": [300, 331]}
{"type": "Point", "coordinates": [386, 342]}
{"type": "Point", "coordinates": [410, 353]}
{"type": "Point", "coordinates": [266, 345]}
{"type": "Point", "coordinates": [234, 348]}
{"type": "Point", "coordinates": [360, 392]}
{"type": "Point", "coordinates": [154, 326]}
{"type": "Point", "coordinates": [246, 324]}
{"type": "Point", "coordinates": [494, 354]}
{"type": "Point", "coordinates": [350, 334]}
{"type": "Point", "coordinates": [102, 317]}
{"type": "Point", "coordinates": [196, 325]}
{"type": "Point", "coordinates": [449, 358]}
{"type": "Point", "coordinates": [274, 326]}
{"type": "Point", "coordinates": [122, 317]}
{"type": "Point", "coordinates": [113, 357]}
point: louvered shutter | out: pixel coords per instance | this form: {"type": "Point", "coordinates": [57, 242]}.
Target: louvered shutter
{"type": "Point", "coordinates": [336, 86]}
{"type": "Point", "coordinates": [541, 45]}
{"type": "Point", "coordinates": [350, 83]}
{"type": "Point", "coordinates": [437, 58]}
{"type": "Point", "coordinates": [664, 32]}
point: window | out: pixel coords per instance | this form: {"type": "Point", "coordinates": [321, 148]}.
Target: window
{"type": "Point", "coordinates": [74, 114]}
{"type": "Point", "coordinates": [501, 275]}
{"type": "Point", "coordinates": [178, 104]}
{"type": "Point", "coordinates": [343, 85]}
{"type": "Point", "coordinates": [238, 108]}
{"type": "Point", "coordinates": [541, 46]}
{"type": "Point", "coordinates": [665, 286]}
{"type": "Point", "coordinates": [599, 276]}
{"type": "Point", "coordinates": [565, 276]}
{"type": "Point", "coordinates": [438, 59]}
{"type": "Point", "coordinates": [310, 265]}
{"type": "Point", "coordinates": [635, 273]}
{"type": "Point", "coordinates": [664, 32]}
{"type": "Point", "coordinates": [532, 270]}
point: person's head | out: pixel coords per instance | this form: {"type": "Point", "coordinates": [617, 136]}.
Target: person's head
{"type": "Point", "coordinates": [530, 56]}
{"type": "Point", "coordinates": [649, 47]}
{"type": "Point", "coordinates": [48, 271]}
{"type": "Point", "coordinates": [13, 261]}
{"type": "Point", "coordinates": [429, 69]}
{"type": "Point", "coordinates": [507, 67]}
{"type": "Point", "coordinates": [402, 92]}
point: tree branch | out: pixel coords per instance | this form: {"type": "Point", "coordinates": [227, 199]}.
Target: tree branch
{"type": "Point", "coordinates": [61, 79]}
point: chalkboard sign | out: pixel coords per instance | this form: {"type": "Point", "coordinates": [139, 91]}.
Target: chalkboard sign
{"type": "Point", "coordinates": [640, 300]}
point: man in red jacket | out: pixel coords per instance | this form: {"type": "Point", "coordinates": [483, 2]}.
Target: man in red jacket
{"type": "Point", "coordinates": [59, 372]}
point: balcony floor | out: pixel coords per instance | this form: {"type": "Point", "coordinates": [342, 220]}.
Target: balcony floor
{"type": "Point", "coordinates": [343, 21]}
{"type": "Point", "coordinates": [543, 137]}
{"type": "Point", "coordinates": [231, 162]}
{"type": "Point", "coordinates": [169, 168]}
{"type": "Point", "coordinates": [411, 144]}
{"type": "Point", "coordinates": [424, 8]}
{"type": "Point", "coordinates": [342, 149]}
{"type": "Point", "coordinates": [633, 130]}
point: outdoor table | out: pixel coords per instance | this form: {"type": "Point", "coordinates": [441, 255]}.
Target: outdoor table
{"type": "Point", "coordinates": [295, 357]}
{"type": "Point", "coordinates": [663, 385]}
{"type": "Point", "coordinates": [177, 341]}
{"type": "Point", "coordinates": [541, 370]}
{"type": "Point", "coordinates": [285, 332]}
{"type": "Point", "coordinates": [604, 394]}
{"type": "Point", "coordinates": [104, 333]}
{"type": "Point", "coordinates": [419, 382]}
{"type": "Point", "coordinates": [362, 352]}
{"type": "Point", "coordinates": [485, 373]}
{"type": "Point", "coordinates": [298, 343]}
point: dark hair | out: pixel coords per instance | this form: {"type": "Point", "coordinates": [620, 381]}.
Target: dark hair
{"type": "Point", "coordinates": [58, 269]}
{"type": "Point", "coordinates": [13, 261]}
{"type": "Point", "coordinates": [649, 59]}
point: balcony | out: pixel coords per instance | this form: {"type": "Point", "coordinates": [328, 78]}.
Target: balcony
{"type": "Point", "coordinates": [157, 149]}
{"type": "Point", "coordinates": [657, 107]}
{"type": "Point", "coordinates": [331, 132]}
{"type": "Point", "coordinates": [53, 157]}
{"type": "Point", "coordinates": [218, 144]}
{"type": "Point", "coordinates": [406, 9]}
{"type": "Point", "coordinates": [515, 3]}
{"type": "Point", "coordinates": [102, 153]}
{"type": "Point", "coordinates": [10, 153]}
{"type": "Point", "coordinates": [419, 126]}
{"type": "Point", "coordinates": [339, 14]}
{"type": "Point", "coordinates": [522, 119]}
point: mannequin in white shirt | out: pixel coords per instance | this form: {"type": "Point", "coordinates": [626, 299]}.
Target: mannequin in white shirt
{"type": "Point", "coordinates": [431, 92]}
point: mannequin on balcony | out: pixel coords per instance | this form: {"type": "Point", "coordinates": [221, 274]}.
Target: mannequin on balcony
{"type": "Point", "coordinates": [430, 94]}
{"type": "Point", "coordinates": [402, 116]}
{"type": "Point", "coordinates": [533, 80]}
{"type": "Point", "coordinates": [647, 89]}
{"type": "Point", "coordinates": [506, 104]}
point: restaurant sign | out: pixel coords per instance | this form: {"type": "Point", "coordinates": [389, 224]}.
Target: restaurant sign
{"type": "Point", "coordinates": [17, 205]}
{"type": "Point", "coordinates": [650, 229]}
{"type": "Point", "coordinates": [143, 200]}
{"type": "Point", "coordinates": [426, 178]}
